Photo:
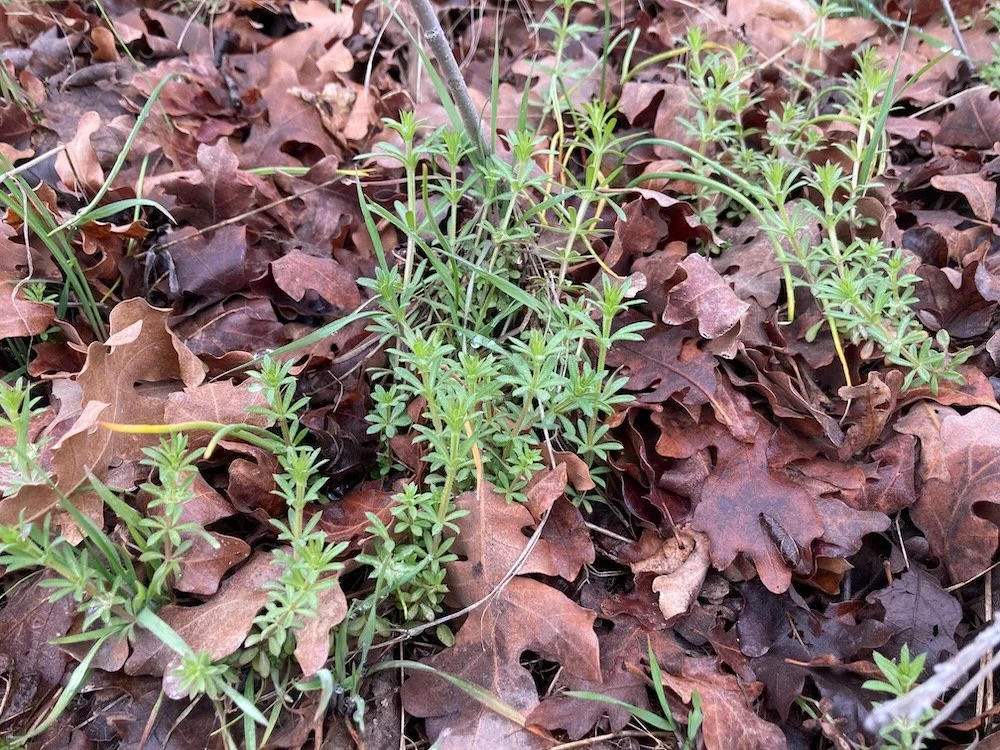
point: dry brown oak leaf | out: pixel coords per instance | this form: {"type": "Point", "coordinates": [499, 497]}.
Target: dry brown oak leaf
{"type": "Point", "coordinates": [742, 490]}
{"type": "Point", "coordinates": [490, 540]}
{"type": "Point", "coordinates": [125, 379]}
{"type": "Point", "coordinates": [960, 491]}
{"type": "Point", "coordinates": [526, 615]}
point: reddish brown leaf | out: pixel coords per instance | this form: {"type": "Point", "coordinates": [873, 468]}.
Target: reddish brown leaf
{"type": "Point", "coordinates": [666, 363]}
{"type": "Point", "coordinates": [567, 536]}
{"type": "Point", "coordinates": [490, 541]}
{"type": "Point", "coordinates": [297, 273]}
{"type": "Point", "coordinates": [751, 264]}
{"type": "Point", "coordinates": [459, 722]}
{"type": "Point", "coordinates": [729, 723]}
{"type": "Point", "coordinates": [346, 520]}
{"type": "Point", "coordinates": [877, 400]}
{"type": "Point", "coordinates": [203, 566]}
{"type": "Point", "coordinates": [740, 490]}
{"type": "Point", "coordinates": [218, 627]}
{"type": "Point", "coordinates": [207, 506]}
{"type": "Point", "coordinates": [216, 267]}
{"type": "Point", "coordinates": [292, 123]}
{"type": "Point", "coordinates": [890, 485]}
{"type": "Point", "coordinates": [845, 527]}
{"type": "Point", "coordinates": [240, 323]}
{"type": "Point", "coordinates": [219, 191]}
{"type": "Point", "coordinates": [222, 402]}
{"type": "Point", "coordinates": [623, 652]}
{"type": "Point", "coordinates": [960, 470]}
{"type": "Point", "coordinates": [251, 482]}
{"type": "Point", "coordinates": [702, 296]}
{"type": "Point", "coordinates": [952, 300]}
{"type": "Point", "coordinates": [312, 639]}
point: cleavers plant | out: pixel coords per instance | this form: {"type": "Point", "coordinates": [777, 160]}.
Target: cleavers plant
{"type": "Point", "coordinates": [503, 354]}
{"type": "Point", "coordinates": [120, 582]}
{"type": "Point", "coordinates": [806, 178]}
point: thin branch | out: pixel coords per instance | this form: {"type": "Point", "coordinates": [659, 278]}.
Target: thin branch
{"type": "Point", "coordinates": [913, 704]}
{"type": "Point", "coordinates": [953, 22]}
{"type": "Point", "coordinates": [438, 43]}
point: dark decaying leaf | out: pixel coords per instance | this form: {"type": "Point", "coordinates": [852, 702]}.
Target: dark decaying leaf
{"type": "Point", "coordinates": [32, 667]}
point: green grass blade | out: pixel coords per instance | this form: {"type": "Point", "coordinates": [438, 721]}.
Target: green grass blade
{"type": "Point", "coordinates": [84, 213]}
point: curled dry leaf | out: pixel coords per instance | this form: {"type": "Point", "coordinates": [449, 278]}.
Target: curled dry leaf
{"type": "Point", "coordinates": [981, 193]}
{"type": "Point", "coordinates": [78, 166]}
{"type": "Point", "coordinates": [877, 399]}
{"type": "Point", "coordinates": [577, 471]}
{"type": "Point", "coordinates": [704, 297]}
{"type": "Point", "coordinates": [960, 477]}
{"type": "Point", "coordinates": [18, 315]}
{"type": "Point", "coordinates": [677, 588]}
{"type": "Point", "coordinates": [125, 380]}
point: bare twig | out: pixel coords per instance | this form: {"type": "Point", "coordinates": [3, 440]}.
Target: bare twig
{"type": "Point", "coordinates": [14, 171]}
{"type": "Point", "coordinates": [953, 22]}
{"type": "Point", "coordinates": [913, 704]}
{"type": "Point", "coordinates": [436, 40]}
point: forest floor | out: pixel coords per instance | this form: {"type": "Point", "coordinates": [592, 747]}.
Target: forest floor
{"type": "Point", "coordinates": [740, 259]}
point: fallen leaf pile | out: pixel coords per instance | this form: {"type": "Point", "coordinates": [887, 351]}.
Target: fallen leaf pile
{"type": "Point", "coordinates": [767, 525]}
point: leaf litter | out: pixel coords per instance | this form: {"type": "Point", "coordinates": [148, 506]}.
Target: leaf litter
{"type": "Point", "coordinates": [768, 525]}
